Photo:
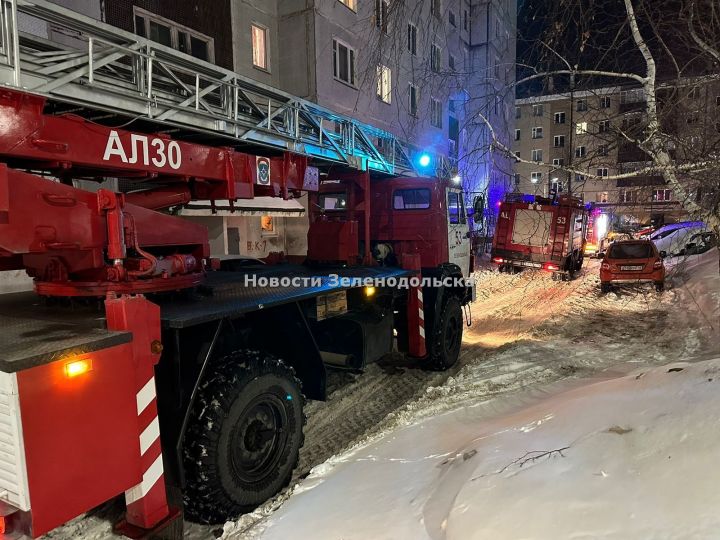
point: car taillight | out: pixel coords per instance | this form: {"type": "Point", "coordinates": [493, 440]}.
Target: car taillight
{"type": "Point", "coordinates": [498, 260]}
{"type": "Point", "coordinates": [551, 267]}
{"type": "Point", "coordinates": [657, 264]}
{"type": "Point", "coordinates": [605, 266]}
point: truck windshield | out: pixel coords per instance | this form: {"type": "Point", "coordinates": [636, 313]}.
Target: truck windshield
{"type": "Point", "coordinates": [411, 199]}
{"type": "Point", "coordinates": [333, 201]}
{"type": "Point", "coordinates": [630, 251]}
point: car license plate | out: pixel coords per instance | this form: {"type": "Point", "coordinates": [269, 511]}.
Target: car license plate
{"type": "Point", "coordinates": [631, 268]}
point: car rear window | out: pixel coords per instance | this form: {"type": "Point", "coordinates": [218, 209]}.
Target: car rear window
{"type": "Point", "coordinates": [630, 251]}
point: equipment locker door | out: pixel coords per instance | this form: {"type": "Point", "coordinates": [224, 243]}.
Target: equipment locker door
{"type": "Point", "coordinates": [458, 231]}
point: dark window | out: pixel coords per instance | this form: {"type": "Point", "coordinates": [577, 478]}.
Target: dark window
{"type": "Point", "coordinates": [333, 201]}
{"type": "Point", "coordinates": [582, 105]}
{"type": "Point", "coordinates": [630, 251]}
{"type": "Point", "coordinates": [160, 33]}
{"type": "Point", "coordinates": [199, 48]}
{"type": "Point", "coordinates": [451, 18]}
{"type": "Point", "coordinates": [411, 199]}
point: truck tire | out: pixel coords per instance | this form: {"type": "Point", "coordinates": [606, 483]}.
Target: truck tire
{"type": "Point", "coordinates": [446, 335]}
{"type": "Point", "coordinates": [244, 437]}
{"type": "Point", "coordinates": [605, 288]}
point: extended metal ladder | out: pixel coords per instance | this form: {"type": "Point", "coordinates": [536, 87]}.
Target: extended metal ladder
{"type": "Point", "coordinates": [115, 73]}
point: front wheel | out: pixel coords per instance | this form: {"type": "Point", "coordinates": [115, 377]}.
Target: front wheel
{"type": "Point", "coordinates": [447, 335]}
{"type": "Point", "coordinates": [243, 440]}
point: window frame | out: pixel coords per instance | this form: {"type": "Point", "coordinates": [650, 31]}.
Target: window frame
{"type": "Point", "coordinates": [580, 151]}
{"type": "Point", "coordinates": [536, 155]}
{"type": "Point", "coordinates": [435, 58]}
{"type": "Point", "coordinates": [175, 28]}
{"type": "Point", "coordinates": [558, 139]}
{"type": "Point", "coordinates": [461, 217]}
{"type": "Point", "coordinates": [414, 49]}
{"type": "Point", "coordinates": [396, 191]}
{"type": "Point", "coordinates": [382, 9]}
{"type": "Point", "coordinates": [538, 107]}
{"type": "Point", "coordinates": [581, 105]}
{"type": "Point", "coordinates": [382, 93]}
{"type": "Point", "coordinates": [537, 132]}
{"type": "Point", "coordinates": [436, 106]}
{"type": "Point", "coordinates": [350, 58]}
{"type": "Point", "coordinates": [536, 177]}
{"type": "Point", "coordinates": [266, 32]}
{"type": "Point", "coordinates": [413, 87]}
{"type": "Point", "coordinates": [560, 114]}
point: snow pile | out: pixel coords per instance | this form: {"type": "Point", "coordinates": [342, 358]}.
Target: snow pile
{"type": "Point", "coordinates": [632, 457]}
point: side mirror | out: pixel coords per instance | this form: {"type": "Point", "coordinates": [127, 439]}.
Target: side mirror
{"type": "Point", "coordinates": [663, 254]}
{"type": "Point", "coordinates": [478, 208]}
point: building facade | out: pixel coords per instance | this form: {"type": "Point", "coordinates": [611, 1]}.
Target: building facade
{"type": "Point", "coordinates": [592, 133]}
{"type": "Point", "coordinates": [436, 73]}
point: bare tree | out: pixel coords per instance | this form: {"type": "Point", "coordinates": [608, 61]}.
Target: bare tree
{"type": "Point", "coordinates": [669, 51]}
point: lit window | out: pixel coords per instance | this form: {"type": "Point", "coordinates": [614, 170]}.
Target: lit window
{"type": "Point", "coordinates": [343, 62]}
{"type": "Point", "coordinates": [535, 177]}
{"type": "Point", "coordinates": [352, 4]}
{"type": "Point", "coordinates": [580, 128]}
{"type": "Point", "coordinates": [259, 47]}
{"type": "Point", "coordinates": [384, 83]}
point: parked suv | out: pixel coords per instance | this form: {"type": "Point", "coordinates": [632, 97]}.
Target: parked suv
{"type": "Point", "coordinates": [632, 261]}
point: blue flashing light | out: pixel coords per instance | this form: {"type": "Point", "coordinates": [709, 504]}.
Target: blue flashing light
{"type": "Point", "coordinates": [424, 160]}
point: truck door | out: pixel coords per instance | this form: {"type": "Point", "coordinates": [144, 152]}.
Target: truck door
{"type": "Point", "coordinates": [458, 229]}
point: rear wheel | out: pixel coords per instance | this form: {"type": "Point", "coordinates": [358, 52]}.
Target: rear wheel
{"type": "Point", "coordinates": [447, 335]}
{"type": "Point", "coordinates": [244, 437]}
{"type": "Point", "coordinates": [659, 286]}
{"type": "Point", "coordinates": [605, 287]}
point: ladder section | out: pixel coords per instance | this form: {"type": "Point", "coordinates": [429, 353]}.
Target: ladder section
{"type": "Point", "coordinates": [111, 70]}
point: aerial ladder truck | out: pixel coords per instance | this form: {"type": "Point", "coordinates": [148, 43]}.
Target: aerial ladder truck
{"type": "Point", "coordinates": [138, 367]}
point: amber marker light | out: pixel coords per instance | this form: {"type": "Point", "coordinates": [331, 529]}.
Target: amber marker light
{"type": "Point", "coordinates": [77, 367]}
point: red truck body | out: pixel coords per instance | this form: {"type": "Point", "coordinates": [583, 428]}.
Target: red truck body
{"type": "Point", "coordinates": [534, 232]}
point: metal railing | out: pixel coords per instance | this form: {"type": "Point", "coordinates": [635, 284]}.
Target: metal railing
{"type": "Point", "coordinates": [103, 68]}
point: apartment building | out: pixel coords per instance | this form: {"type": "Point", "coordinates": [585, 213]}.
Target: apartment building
{"type": "Point", "coordinates": [591, 133]}
{"type": "Point", "coordinates": [434, 73]}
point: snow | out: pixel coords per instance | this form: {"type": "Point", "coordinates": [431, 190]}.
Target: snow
{"type": "Point", "coordinates": [413, 477]}
{"type": "Point", "coordinates": [545, 365]}
{"type": "Point", "coordinates": [630, 457]}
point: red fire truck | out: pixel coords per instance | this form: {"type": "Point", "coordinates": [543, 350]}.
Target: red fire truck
{"type": "Point", "coordinates": [136, 367]}
{"type": "Point", "coordinates": [537, 232]}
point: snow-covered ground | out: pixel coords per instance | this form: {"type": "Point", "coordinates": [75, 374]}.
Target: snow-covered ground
{"type": "Point", "coordinates": [528, 333]}
{"type": "Point", "coordinates": [531, 338]}
{"type": "Point", "coordinates": [633, 457]}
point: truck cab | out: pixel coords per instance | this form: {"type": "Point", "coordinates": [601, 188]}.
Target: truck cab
{"type": "Point", "coordinates": [423, 216]}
